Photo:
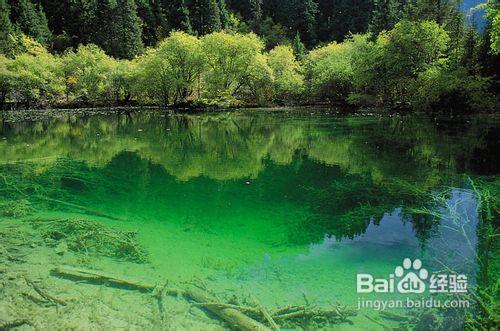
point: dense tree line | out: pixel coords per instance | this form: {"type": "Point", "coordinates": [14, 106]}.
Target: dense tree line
{"type": "Point", "coordinates": [420, 54]}
{"type": "Point", "coordinates": [123, 27]}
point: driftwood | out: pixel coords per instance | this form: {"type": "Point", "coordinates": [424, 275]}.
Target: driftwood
{"type": "Point", "coordinates": [385, 327]}
{"type": "Point", "coordinates": [233, 317]}
{"type": "Point", "coordinates": [8, 325]}
{"type": "Point", "coordinates": [93, 276]}
{"type": "Point", "coordinates": [44, 294]}
{"type": "Point", "coordinates": [268, 318]}
{"type": "Point", "coordinates": [236, 316]}
{"type": "Point", "coordinates": [393, 316]}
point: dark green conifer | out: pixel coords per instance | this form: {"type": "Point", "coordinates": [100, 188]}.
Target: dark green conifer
{"type": "Point", "coordinates": [178, 16]}
{"type": "Point", "coordinates": [205, 16]}
{"type": "Point", "coordinates": [127, 30]}
{"type": "Point", "coordinates": [386, 13]}
{"type": "Point", "coordinates": [6, 29]}
{"type": "Point", "coordinates": [223, 14]}
{"type": "Point", "coordinates": [306, 20]}
{"type": "Point", "coordinates": [299, 50]}
{"type": "Point", "coordinates": [118, 28]}
{"type": "Point", "coordinates": [32, 21]}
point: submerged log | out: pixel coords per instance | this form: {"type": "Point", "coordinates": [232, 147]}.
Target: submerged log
{"type": "Point", "coordinates": [46, 296]}
{"type": "Point", "coordinates": [8, 325]}
{"type": "Point", "coordinates": [98, 277]}
{"type": "Point", "coordinates": [235, 318]}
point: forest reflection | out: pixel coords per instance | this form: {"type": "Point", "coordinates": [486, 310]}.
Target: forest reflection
{"type": "Point", "coordinates": [348, 171]}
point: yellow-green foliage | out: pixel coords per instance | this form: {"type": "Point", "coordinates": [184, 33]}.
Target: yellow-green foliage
{"type": "Point", "coordinates": [171, 72]}
{"type": "Point", "coordinates": [288, 77]}
{"type": "Point", "coordinates": [229, 58]}
{"type": "Point", "coordinates": [34, 76]}
{"type": "Point", "coordinates": [390, 67]}
{"type": "Point", "coordinates": [330, 69]}
{"type": "Point", "coordinates": [258, 88]}
{"type": "Point", "coordinates": [122, 80]}
{"type": "Point", "coordinates": [493, 15]}
{"type": "Point", "coordinates": [6, 78]}
{"type": "Point", "coordinates": [86, 73]}
{"type": "Point", "coordinates": [410, 66]}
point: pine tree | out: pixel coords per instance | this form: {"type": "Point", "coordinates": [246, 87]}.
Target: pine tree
{"type": "Point", "coordinates": [32, 21]}
{"type": "Point", "coordinates": [439, 11]}
{"type": "Point", "coordinates": [6, 29]}
{"type": "Point", "coordinates": [224, 14]}
{"type": "Point", "coordinates": [183, 18]}
{"type": "Point", "coordinates": [118, 28]}
{"type": "Point", "coordinates": [299, 50]}
{"type": "Point", "coordinates": [305, 20]}
{"type": "Point", "coordinates": [385, 14]}
{"type": "Point", "coordinates": [72, 20]}
{"type": "Point", "coordinates": [155, 26]}
{"type": "Point", "coordinates": [205, 17]}
{"type": "Point", "coordinates": [127, 31]}
{"type": "Point", "coordinates": [178, 16]}
{"type": "Point", "coordinates": [470, 51]}
{"type": "Point", "coordinates": [104, 20]}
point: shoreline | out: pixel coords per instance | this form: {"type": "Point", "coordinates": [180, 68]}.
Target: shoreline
{"type": "Point", "coordinates": [34, 114]}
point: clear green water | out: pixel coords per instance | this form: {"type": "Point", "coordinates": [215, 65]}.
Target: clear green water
{"type": "Point", "coordinates": [279, 203]}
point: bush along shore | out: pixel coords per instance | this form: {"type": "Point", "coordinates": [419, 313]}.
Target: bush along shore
{"type": "Point", "coordinates": [416, 65]}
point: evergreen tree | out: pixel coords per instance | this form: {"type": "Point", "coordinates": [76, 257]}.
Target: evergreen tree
{"type": "Point", "coordinates": [118, 28]}
{"type": "Point", "coordinates": [338, 18]}
{"type": "Point", "coordinates": [205, 16]}
{"type": "Point", "coordinates": [31, 20]}
{"type": "Point", "coordinates": [104, 20]}
{"type": "Point", "coordinates": [155, 26]}
{"type": "Point", "coordinates": [127, 31]}
{"type": "Point", "coordinates": [325, 18]}
{"type": "Point", "coordinates": [178, 16]}
{"type": "Point", "coordinates": [183, 18]}
{"type": "Point", "coordinates": [72, 20]}
{"type": "Point", "coordinates": [385, 14]}
{"type": "Point", "coordinates": [224, 14]}
{"type": "Point", "coordinates": [305, 20]}
{"type": "Point", "coordinates": [439, 11]}
{"type": "Point", "coordinates": [470, 51]}
{"type": "Point", "coordinates": [299, 50]}
{"type": "Point", "coordinates": [6, 29]}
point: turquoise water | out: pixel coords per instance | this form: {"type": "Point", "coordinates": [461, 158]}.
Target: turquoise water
{"type": "Point", "coordinates": [288, 205]}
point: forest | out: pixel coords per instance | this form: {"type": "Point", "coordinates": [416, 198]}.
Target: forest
{"type": "Point", "coordinates": [416, 55]}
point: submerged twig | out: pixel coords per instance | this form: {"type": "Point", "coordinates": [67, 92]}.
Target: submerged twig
{"type": "Point", "coordinates": [43, 293]}
{"type": "Point", "coordinates": [237, 316]}
{"type": "Point", "coordinates": [385, 327]}
{"type": "Point", "coordinates": [8, 325]}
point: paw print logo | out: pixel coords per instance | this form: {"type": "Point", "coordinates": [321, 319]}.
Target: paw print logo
{"type": "Point", "coordinates": [414, 274]}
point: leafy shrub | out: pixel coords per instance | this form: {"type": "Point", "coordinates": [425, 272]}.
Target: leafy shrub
{"type": "Point", "coordinates": [438, 88]}
{"type": "Point", "coordinates": [86, 73]}
{"type": "Point", "coordinates": [389, 68]}
{"type": "Point", "coordinates": [288, 77]}
{"type": "Point", "coordinates": [230, 58]}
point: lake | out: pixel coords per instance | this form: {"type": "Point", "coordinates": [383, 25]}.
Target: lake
{"type": "Point", "coordinates": [286, 206]}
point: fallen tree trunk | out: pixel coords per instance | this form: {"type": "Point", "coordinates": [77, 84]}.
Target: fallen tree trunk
{"type": "Point", "coordinates": [235, 318]}
{"type": "Point", "coordinates": [101, 278]}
